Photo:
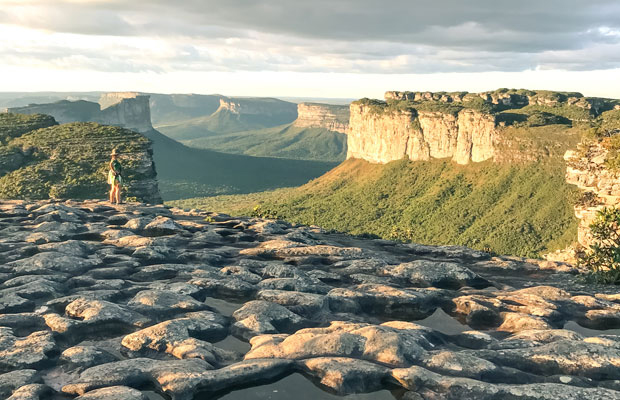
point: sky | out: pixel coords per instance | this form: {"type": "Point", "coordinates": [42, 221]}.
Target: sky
{"type": "Point", "coordinates": [318, 48]}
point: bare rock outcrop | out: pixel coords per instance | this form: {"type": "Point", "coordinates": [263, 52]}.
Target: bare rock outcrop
{"type": "Point", "coordinates": [586, 168]}
{"type": "Point", "coordinates": [111, 98]}
{"type": "Point", "coordinates": [380, 134]}
{"type": "Point", "coordinates": [135, 301]}
{"type": "Point", "coordinates": [264, 107]}
{"type": "Point", "coordinates": [332, 117]}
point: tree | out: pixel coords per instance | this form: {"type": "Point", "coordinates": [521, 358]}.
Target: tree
{"type": "Point", "coordinates": [603, 257]}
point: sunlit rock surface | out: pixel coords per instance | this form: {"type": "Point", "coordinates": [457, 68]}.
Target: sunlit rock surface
{"type": "Point", "coordinates": [146, 302]}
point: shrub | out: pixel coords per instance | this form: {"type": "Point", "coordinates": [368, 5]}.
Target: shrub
{"type": "Point", "coordinates": [603, 257]}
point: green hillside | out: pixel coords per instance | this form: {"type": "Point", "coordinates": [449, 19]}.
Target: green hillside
{"type": "Point", "coordinates": [43, 160]}
{"type": "Point", "coordinates": [287, 141]}
{"type": "Point", "coordinates": [14, 125]}
{"type": "Point", "coordinates": [186, 172]}
{"type": "Point", "coordinates": [520, 205]}
{"type": "Point", "coordinates": [509, 209]}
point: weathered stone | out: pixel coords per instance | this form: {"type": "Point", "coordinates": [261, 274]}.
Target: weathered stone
{"type": "Point", "coordinates": [160, 302]}
{"type": "Point", "coordinates": [33, 351]}
{"type": "Point", "coordinates": [85, 357]}
{"type": "Point", "coordinates": [114, 393]}
{"type": "Point", "coordinates": [307, 305]}
{"type": "Point", "coordinates": [24, 321]}
{"type": "Point", "coordinates": [384, 137]}
{"type": "Point", "coordinates": [562, 357]}
{"type": "Point", "coordinates": [346, 375]}
{"type": "Point", "coordinates": [386, 301]}
{"type": "Point", "coordinates": [459, 364]}
{"type": "Point", "coordinates": [163, 226]}
{"type": "Point", "coordinates": [299, 284]}
{"type": "Point", "coordinates": [517, 322]}
{"type": "Point", "coordinates": [103, 312]}
{"type": "Point", "coordinates": [50, 262]}
{"type": "Point", "coordinates": [33, 391]}
{"type": "Point", "coordinates": [138, 372]}
{"type": "Point", "coordinates": [383, 344]}
{"type": "Point", "coordinates": [259, 317]}
{"type": "Point", "coordinates": [434, 386]}
{"type": "Point", "coordinates": [423, 273]}
{"type": "Point", "coordinates": [479, 311]}
{"type": "Point", "coordinates": [11, 381]}
{"type": "Point", "coordinates": [183, 338]}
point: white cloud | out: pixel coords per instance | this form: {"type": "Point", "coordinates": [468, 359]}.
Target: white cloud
{"type": "Point", "coordinates": [363, 38]}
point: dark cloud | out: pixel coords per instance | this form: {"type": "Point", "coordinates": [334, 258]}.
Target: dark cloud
{"type": "Point", "coordinates": [349, 35]}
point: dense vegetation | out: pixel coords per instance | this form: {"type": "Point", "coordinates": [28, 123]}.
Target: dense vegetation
{"type": "Point", "coordinates": [287, 141]}
{"type": "Point", "coordinates": [14, 125]}
{"type": "Point", "coordinates": [509, 209]}
{"type": "Point", "coordinates": [67, 161]}
{"type": "Point", "coordinates": [603, 256]}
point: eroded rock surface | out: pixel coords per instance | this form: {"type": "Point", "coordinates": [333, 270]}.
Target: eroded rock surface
{"type": "Point", "coordinates": [118, 302]}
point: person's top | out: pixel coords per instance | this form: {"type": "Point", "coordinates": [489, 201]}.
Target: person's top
{"type": "Point", "coordinates": [116, 166]}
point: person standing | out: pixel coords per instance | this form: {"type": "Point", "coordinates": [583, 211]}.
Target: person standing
{"type": "Point", "coordinates": [115, 178]}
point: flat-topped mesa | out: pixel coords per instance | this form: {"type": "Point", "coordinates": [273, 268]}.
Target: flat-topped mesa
{"type": "Point", "coordinates": [381, 132]}
{"type": "Point", "coordinates": [128, 112]}
{"type": "Point", "coordinates": [111, 98]}
{"type": "Point", "coordinates": [131, 113]}
{"type": "Point", "coordinates": [314, 115]}
{"type": "Point", "coordinates": [252, 106]}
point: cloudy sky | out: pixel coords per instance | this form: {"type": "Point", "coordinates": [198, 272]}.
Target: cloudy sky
{"type": "Point", "coordinates": [321, 48]}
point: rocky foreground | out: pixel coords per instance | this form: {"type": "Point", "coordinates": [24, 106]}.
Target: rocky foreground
{"type": "Point", "coordinates": [139, 302]}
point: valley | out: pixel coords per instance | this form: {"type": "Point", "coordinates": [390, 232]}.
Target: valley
{"type": "Point", "coordinates": [482, 170]}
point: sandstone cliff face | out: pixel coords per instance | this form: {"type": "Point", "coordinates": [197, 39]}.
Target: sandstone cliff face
{"type": "Point", "coordinates": [265, 107]}
{"type": "Point", "coordinates": [386, 136]}
{"type": "Point", "coordinates": [587, 170]}
{"type": "Point", "coordinates": [332, 117]}
{"type": "Point", "coordinates": [130, 112]}
{"type": "Point", "coordinates": [109, 99]}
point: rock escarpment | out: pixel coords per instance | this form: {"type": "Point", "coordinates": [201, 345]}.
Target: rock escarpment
{"type": "Point", "coordinates": [106, 302]}
{"type": "Point", "coordinates": [263, 107]}
{"type": "Point", "coordinates": [380, 134]}
{"type": "Point", "coordinates": [593, 168]}
{"type": "Point", "coordinates": [126, 110]}
{"type": "Point", "coordinates": [587, 170]}
{"type": "Point", "coordinates": [327, 116]}
{"type": "Point", "coordinates": [111, 98]}
{"type": "Point", "coordinates": [467, 127]}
